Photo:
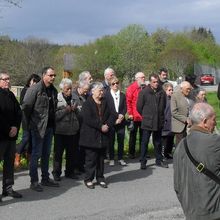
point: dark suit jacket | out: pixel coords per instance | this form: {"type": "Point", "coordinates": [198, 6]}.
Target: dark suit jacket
{"type": "Point", "coordinates": [91, 134]}
{"type": "Point", "coordinates": [122, 105]}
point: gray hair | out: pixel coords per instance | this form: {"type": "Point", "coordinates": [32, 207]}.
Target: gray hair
{"type": "Point", "coordinates": [83, 75]}
{"type": "Point", "coordinates": [82, 84]}
{"type": "Point", "coordinates": [166, 85]}
{"type": "Point", "coordinates": [201, 111]}
{"type": "Point", "coordinates": [65, 81]}
{"type": "Point", "coordinates": [107, 70]}
{"type": "Point", "coordinates": [184, 84]}
{"type": "Point", "coordinates": [96, 85]}
{"type": "Point", "coordinates": [138, 74]}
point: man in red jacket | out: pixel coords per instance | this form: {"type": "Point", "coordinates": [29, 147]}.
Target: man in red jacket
{"type": "Point", "coordinates": [131, 100]}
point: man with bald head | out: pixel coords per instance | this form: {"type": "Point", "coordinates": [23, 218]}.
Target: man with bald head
{"type": "Point", "coordinates": [180, 106]}
{"type": "Point", "coordinates": [198, 193]}
{"type": "Point", "coordinates": [131, 100]}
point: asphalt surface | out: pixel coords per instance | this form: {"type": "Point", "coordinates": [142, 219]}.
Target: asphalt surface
{"type": "Point", "coordinates": [132, 194]}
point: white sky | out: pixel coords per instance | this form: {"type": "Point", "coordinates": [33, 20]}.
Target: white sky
{"type": "Point", "coordinates": [81, 21]}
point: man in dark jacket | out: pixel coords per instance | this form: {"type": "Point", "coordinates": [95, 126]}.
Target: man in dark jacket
{"type": "Point", "coordinates": [198, 194]}
{"type": "Point", "coordinates": [151, 104]}
{"type": "Point", "coordinates": [10, 119]}
{"type": "Point", "coordinates": [39, 106]}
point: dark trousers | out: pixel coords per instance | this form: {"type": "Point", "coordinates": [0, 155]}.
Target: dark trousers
{"type": "Point", "coordinates": [79, 155]}
{"type": "Point", "coordinates": [7, 153]}
{"type": "Point", "coordinates": [180, 136]}
{"type": "Point", "coordinates": [118, 131]}
{"type": "Point", "coordinates": [94, 164]}
{"type": "Point", "coordinates": [132, 137]}
{"type": "Point", "coordinates": [167, 143]}
{"type": "Point", "coordinates": [156, 136]}
{"type": "Point", "coordinates": [41, 147]}
{"type": "Point", "coordinates": [68, 144]}
{"type": "Point", "coordinates": [25, 145]}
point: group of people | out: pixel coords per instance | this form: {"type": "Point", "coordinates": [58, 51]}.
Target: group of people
{"type": "Point", "coordinates": [86, 120]}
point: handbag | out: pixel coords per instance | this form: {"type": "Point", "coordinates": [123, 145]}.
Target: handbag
{"type": "Point", "coordinates": [200, 167]}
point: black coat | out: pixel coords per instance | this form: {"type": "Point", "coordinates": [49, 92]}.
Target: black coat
{"type": "Point", "coordinates": [151, 105]}
{"type": "Point", "coordinates": [10, 114]}
{"type": "Point", "coordinates": [122, 105]}
{"type": "Point", "coordinates": [90, 133]}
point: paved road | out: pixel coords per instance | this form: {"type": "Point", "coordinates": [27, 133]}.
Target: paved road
{"type": "Point", "coordinates": [132, 194]}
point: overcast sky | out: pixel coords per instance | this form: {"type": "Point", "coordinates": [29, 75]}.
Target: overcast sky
{"type": "Point", "coordinates": [81, 21]}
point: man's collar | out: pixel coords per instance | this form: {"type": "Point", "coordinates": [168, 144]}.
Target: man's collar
{"type": "Point", "coordinates": [199, 128]}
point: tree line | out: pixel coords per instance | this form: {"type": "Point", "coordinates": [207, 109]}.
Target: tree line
{"type": "Point", "coordinates": [131, 50]}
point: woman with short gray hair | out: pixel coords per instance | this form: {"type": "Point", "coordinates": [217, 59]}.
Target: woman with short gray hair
{"type": "Point", "coordinates": [94, 135]}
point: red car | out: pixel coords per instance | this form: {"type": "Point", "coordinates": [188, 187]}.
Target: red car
{"type": "Point", "coordinates": [207, 79]}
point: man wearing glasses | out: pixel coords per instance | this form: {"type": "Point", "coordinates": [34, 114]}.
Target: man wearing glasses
{"type": "Point", "coordinates": [10, 119]}
{"type": "Point", "coordinates": [39, 106]}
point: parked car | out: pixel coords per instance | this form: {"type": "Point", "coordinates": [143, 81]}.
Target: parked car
{"type": "Point", "coordinates": [207, 79]}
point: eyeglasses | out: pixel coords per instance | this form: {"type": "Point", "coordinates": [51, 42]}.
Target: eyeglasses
{"type": "Point", "coordinates": [5, 79]}
{"type": "Point", "coordinates": [51, 75]}
{"type": "Point", "coordinates": [116, 83]}
{"type": "Point", "coordinates": [170, 90]}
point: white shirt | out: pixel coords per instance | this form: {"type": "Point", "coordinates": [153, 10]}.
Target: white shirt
{"type": "Point", "coordinates": [116, 98]}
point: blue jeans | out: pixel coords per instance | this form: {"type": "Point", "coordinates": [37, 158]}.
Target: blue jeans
{"type": "Point", "coordinates": [41, 148]}
{"type": "Point", "coordinates": [157, 142]}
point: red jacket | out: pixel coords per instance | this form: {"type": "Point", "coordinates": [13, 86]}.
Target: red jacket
{"type": "Point", "coordinates": [131, 100]}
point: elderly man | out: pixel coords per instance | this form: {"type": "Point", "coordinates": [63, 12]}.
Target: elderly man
{"type": "Point", "coordinates": [198, 193]}
{"type": "Point", "coordinates": [150, 105]}
{"type": "Point", "coordinates": [108, 74]}
{"type": "Point", "coordinates": [39, 107]}
{"type": "Point", "coordinates": [180, 106]}
{"type": "Point", "coordinates": [131, 101]}
{"type": "Point", "coordinates": [86, 77]}
{"type": "Point", "coordinates": [10, 119]}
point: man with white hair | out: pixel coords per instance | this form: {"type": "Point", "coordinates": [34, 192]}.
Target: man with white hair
{"type": "Point", "coordinates": [85, 76]}
{"type": "Point", "coordinates": [197, 192]}
{"type": "Point", "coordinates": [108, 74]}
{"type": "Point", "coordinates": [131, 100]}
{"type": "Point", "coordinates": [180, 106]}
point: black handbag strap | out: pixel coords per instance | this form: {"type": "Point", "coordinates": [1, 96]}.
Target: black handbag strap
{"type": "Point", "coordinates": [200, 166]}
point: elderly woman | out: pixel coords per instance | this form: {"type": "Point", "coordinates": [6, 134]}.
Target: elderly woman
{"type": "Point", "coordinates": [66, 128]}
{"type": "Point", "coordinates": [117, 104]}
{"type": "Point", "coordinates": [94, 135]}
{"type": "Point", "coordinates": [167, 134]}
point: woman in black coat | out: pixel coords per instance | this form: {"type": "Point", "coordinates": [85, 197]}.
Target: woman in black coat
{"type": "Point", "coordinates": [94, 135]}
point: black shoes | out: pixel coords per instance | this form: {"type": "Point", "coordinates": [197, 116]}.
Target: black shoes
{"type": "Point", "coordinates": [36, 187]}
{"type": "Point", "coordinates": [162, 164]}
{"type": "Point", "coordinates": [103, 184]}
{"type": "Point", "coordinates": [49, 182]}
{"type": "Point", "coordinates": [89, 184]}
{"type": "Point", "coordinates": [143, 166]}
{"type": "Point", "coordinates": [11, 193]}
{"type": "Point", "coordinates": [56, 177]}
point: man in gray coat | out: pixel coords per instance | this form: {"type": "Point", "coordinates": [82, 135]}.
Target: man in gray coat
{"type": "Point", "coordinates": [198, 194]}
{"type": "Point", "coordinates": [39, 106]}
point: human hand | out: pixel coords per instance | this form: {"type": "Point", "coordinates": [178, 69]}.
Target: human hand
{"type": "Point", "coordinates": [13, 131]}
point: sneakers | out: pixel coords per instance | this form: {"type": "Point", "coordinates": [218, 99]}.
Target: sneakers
{"type": "Point", "coordinates": [162, 164]}
{"type": "Point", "coordinates": [143, 166]}
{"type": "Point", "coordinates": [10, 192]}
{"type": "Point", "coordinates": [122, 162]}
{"type": "Point", "coordinates": [111, 163]}
{"type": "Point", "coordinates": [36, 187]}
{"type": "Point", "coordinates": [49, 182]}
